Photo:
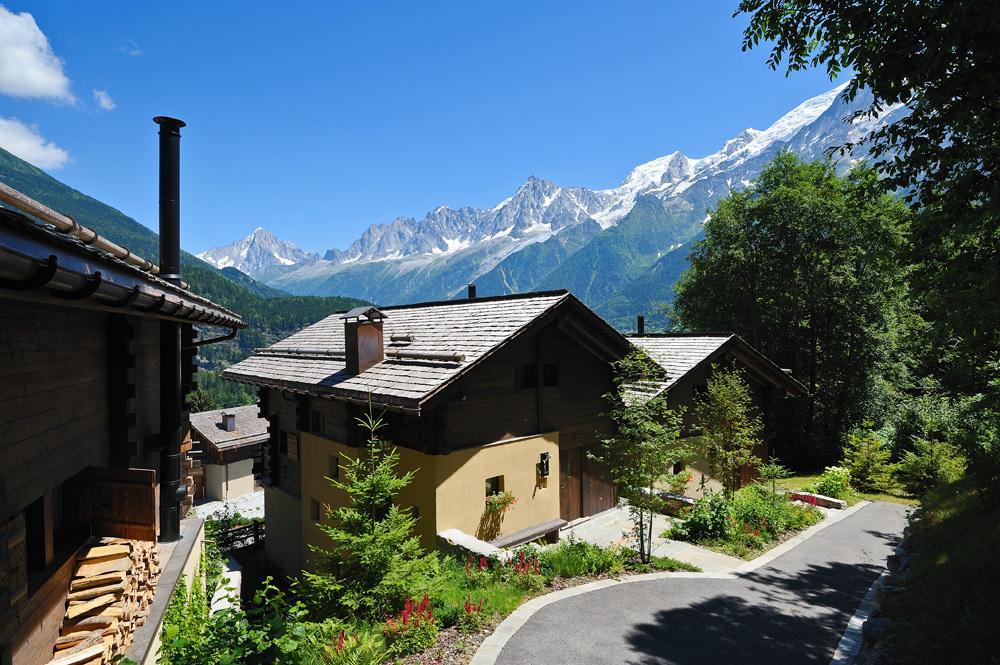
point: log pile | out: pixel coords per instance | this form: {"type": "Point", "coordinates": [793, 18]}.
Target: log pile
{"type": "Point", "coordinates": [108, 599]}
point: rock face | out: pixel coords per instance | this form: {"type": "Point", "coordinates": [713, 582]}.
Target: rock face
{"type": "Point", "coordinates": [258, 251]}
{"type": "Point", "coordinates": [619, 249]}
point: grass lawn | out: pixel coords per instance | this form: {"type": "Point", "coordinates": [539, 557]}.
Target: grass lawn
{"type": "Point", "coordinates": [895, 495]}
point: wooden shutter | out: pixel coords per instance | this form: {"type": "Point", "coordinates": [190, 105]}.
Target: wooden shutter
{"type": "Point", "coordinates": [124, 502]}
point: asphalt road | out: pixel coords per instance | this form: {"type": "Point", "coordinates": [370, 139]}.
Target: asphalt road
{"type": "Point", "coordinates": [791, 611]}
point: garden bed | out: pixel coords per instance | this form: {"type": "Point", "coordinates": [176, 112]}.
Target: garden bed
{"type": "Point", "coordinates": [455, 646]}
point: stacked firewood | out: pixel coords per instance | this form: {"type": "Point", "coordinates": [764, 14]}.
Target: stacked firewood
{"type": "Point", "coordinates": [109, 598]}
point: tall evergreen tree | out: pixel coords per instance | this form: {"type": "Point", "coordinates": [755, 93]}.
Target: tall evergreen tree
{"type": "Point", "coordinates": [809, 268]}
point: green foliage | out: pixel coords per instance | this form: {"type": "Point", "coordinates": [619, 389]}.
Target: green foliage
{"type": "Point", "coordinates": [644, 447]}
{"type": "Point", "coordinates": [707, 519]}
{"type": "Point", "coordinates": [835, 482]}
{"type": "Point", "coordinates": [809, 268]}
{"type": "Point", "coordinates": [729, 425]}
{"type": "Point", "coordinates": [201, 400]}
{"type": "Point", "coordinates": [774, 471]}
{"type": "Point", "coordinates": [867, 458]}
{"type": "Point", "coordinates": [954, 582]}
{"type": "Point", "coordinates": [928, 466]}
{"type": "Point", "coordinates": [458, 582]}
{"type": "Point", "coordinates": [414, 630]}
{"type": "Point", "coordinates": [758, 511]}
{"type": "Point", "coordinates": [744, 524]}
{"type": "Point", "coordinates": [573, 558]}
{"type": "Point", "coordinates": [931, 416]}
{"type": "Point", "coordinates": [934, 57]}
{"type": "Point", "coordinates": [375, 561]}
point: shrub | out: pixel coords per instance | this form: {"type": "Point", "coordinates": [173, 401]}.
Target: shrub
{"type": "Point", "coordinates": [707, 519]}
{"type": "Point", "coordinates": [867, 458]}
{"type": "Point", "coordinates": [931, 417]}
{"type": "Point", "coordinates": [574, 558]}
{"type": "Point", "coordinates": [834, 482]}
{"type": "Point", "coordinates": [928, 466]}
{"type": "Point", "coordinates": [415, 629]}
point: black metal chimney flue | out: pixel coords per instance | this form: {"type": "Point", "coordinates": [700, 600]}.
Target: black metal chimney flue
{"type": "Point", "coordinates": [472, 292]}
{"type": "Point", "coordinates": [170, 198]}
{"type": "Point", "coordinates": [172, 491]}
{"type": "Point", "coordinates": [640, 325]}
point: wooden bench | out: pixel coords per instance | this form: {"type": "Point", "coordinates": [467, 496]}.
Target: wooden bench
{"type": "Point", "coordinates": [531, 533]}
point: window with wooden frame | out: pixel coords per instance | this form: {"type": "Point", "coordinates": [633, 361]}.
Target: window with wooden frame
{"type": "Point", "coordinates": [315, 510]}
{"type": "Point", "coordinates": [316, 422]}
{"type": "Point", "coordinates": [334, 469]}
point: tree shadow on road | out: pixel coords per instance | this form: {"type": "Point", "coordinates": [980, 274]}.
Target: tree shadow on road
{"type": "Point", "coordinates": [780, 617]}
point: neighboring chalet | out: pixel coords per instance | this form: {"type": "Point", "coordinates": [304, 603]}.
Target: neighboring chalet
{"type": "Point", "coordinates": [688, 361]}
{"type": "Point", "coordinates": [96, 356]}
{"type": "Point", "coordinates": [232, 444]}
{"type": "Point", "coordinates": [480, 395]}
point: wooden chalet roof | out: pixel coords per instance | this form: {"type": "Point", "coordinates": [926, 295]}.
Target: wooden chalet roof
{"type": "Point", "coordinates": [250, 429]}
{"type": "Point", "coordinates": [36, 255]}
{"type": "Point", "coordinates": [450, 336]}
{"type": "Point", "coordinates": [680, 353]}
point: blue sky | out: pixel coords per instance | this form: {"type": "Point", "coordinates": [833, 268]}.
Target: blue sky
{"type": "Point", "coordinates": [318, 119]}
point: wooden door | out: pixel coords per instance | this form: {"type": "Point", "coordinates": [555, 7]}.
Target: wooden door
{"type": "Point", "coordinates": [124, 502]}
{"type": "Point", "coordinates": [598, 490]}
{"type": "Point", "coordinates": [570, 484]}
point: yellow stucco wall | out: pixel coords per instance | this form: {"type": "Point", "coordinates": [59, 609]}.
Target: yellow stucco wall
{"type": "Point", "coordinates": [461, 485]}
{"type": "Point", "coordinates": [229, 481]}
{"type": "Point", "coordinates": [448, 491]}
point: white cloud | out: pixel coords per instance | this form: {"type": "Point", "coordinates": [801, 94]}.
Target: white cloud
{"type": "Point", "coordinates": [104, 100]}
{"type": "Point", "coordinates": [25, 142]}
{"type": "Point", "coordinates": [129, 47]}
{"type": "Point", "coordinates": [28, 67]}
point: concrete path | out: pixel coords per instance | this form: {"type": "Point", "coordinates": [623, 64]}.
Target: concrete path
{"type": "Point", "coordinates": [791, 611]}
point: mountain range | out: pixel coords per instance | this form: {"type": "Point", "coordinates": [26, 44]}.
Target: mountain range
{"type": "Point", "coordinates": [619, 249]}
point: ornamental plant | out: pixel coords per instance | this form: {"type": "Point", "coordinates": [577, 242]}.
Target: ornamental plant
{"type": "Point", "coordinates": [500, 503]}
{"type": "Point", "coordinates": [834, 482]}
{"type": "Point", "coordinates": [522, 571]}
{"type": "Point", "coordinates": [415, 629]}
{"type": "Point", "coordinates": [472, 618]}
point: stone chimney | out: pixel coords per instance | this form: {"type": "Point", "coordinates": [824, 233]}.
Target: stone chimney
{"type": "Point", "coordinates": [228, 421]}
{"type": "Point", "coordinates": [364, 346]}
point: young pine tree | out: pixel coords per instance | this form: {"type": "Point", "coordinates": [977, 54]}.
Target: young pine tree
{"type": "Point", "coordinates": [374, 561]}
{"type": "Point", "coordinates": [730, 427]}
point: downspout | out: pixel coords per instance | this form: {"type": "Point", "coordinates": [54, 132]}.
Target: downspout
{"type": "Point", "coordinates": [172, 491]}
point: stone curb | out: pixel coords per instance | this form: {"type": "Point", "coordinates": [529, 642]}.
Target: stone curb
{"type": "Point", "coordinates": [491, 647]}
{"type": "Point", "coordinates": [850, 642]}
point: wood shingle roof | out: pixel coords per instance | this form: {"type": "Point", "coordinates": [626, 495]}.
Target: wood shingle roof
{"type": "Point", "coordinates": [451, 337]}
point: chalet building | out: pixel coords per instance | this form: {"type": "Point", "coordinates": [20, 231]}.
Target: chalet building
{"type": "Point", "coordinates": [688, 361]}
{"type": "Point", "coordinates": [96, 356]}
{"type": "Point", "coordinates": [479, 395]}
{"type": "Point", "coordinates": [231, 444]}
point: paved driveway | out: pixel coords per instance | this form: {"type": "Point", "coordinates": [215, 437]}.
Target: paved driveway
{"type": "Point", "coordinates": [791, 611]}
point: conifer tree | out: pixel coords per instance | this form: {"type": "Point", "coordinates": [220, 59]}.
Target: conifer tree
{"type": "Point", "coordinates": [374, 561]}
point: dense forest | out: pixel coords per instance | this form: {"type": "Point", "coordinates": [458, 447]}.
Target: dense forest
{"type": "Point", "coordinates": [270, 314]}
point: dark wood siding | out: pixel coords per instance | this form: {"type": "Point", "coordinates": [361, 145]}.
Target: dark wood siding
{"type": "Point", "coordinates": [490, 404]}
{"type": "Point", "coordinates": [53, 399]}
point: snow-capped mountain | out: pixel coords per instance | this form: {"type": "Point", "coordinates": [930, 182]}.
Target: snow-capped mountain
{"type": "Point", "coordinates": [599, 243]}
{"type": "Point", "coordinates": [258, 251]}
